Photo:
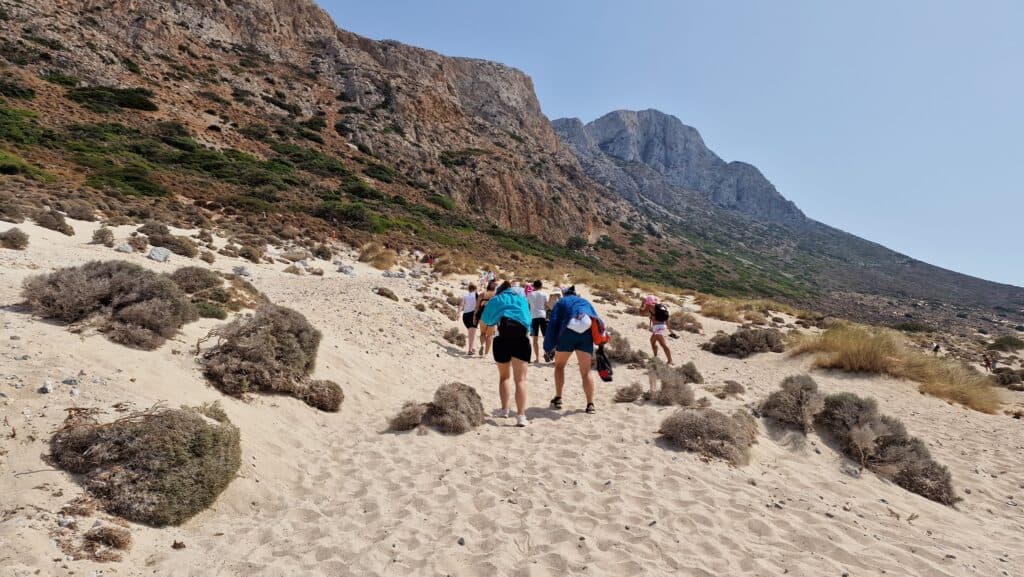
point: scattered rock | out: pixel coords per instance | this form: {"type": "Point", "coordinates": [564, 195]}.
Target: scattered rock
{"type": "Point", "coordinates": [124, 247]}
{"type": "Point", "coordinates": [241, 271]}
{"type": "Point", "coordinates": [462, 541]}
{"type": "Point", "coordinates": [70, 381]}
{"type": "Point", "coordinates": [48, 387]}
{"type": "Point", "coordinates": [386, 293]}
{"type": "Point", "coordinates": [178, 545]}
{"type": "Point", "coordinates": [159, 254]}
{"type": "Point", "coordinates": [347, 269]}
{"type": "Point", "coordinates": [316, 271]}
{"type": "Point", "coordinates": [393, 274]}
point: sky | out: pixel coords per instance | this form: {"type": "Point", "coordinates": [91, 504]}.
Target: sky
{"type": "Point", "coordinates": [899, 121]}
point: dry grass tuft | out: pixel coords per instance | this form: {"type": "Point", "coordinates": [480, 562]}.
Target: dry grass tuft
{"type": "Point", "coordinates": [671, 385]}
{"type": "Point", "coordinates": [158, 467]}
{"type": "Point", "coordinates": [728, 389]}
{"type": "Point", "coordinates": [684, 321]}
{"type": "Point", "coordinates": [109, 536]}
{"type": "Point", "coordinates": [324, 395]}
{"type": "Point", "coordinates": [721, 309]}
{"type": "Point", "coordinates": [745, 342]}
{"type": "Point", "coordinates": [378, 256]}
{"type": "Point", "coordinates": [856, 348]}
{"type": "Point", "coordinates": [620, 350]}
{"type": "Point", "coordinates": [711, 434]}
{"type": "Point", "coordinates": [795, 404]}
{"type": "Point", "coordinates": [629, 394]}
{"type": "Point", "coordinates": [104, 236]}
{"type": "Point", "coordinates": [14, 239]}
{"type": "Point", "coordinates": [881, 443]}
{"type": "Point", "coordinates": [135, 306]}
{"type": "Point", "coordinates": [456, 409]}
{"type": "Point", "coordinates": [455, 337]}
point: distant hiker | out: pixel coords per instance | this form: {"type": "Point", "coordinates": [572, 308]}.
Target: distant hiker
{"type": "Point", "coordinates": [647, 305]}
{"type": "Point", "coordinates": [486, 332]}
{"type": "Point", "coordinates": [570, 330]}
{"type": "Point", "coordinates": [538, 300]}
{"type": "Point", "coordinates": [936, 348]}
{"type": "Point", "coordinates": [985, 360]}
{"type": "Point", "coordinates": [659, 329]}
{"type": "Point", "coordinates": [510, 313]}
{"type": "Point", "coordinates": [467, 303]}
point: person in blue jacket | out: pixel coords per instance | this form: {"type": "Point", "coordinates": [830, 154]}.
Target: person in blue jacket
{"type": "Point", "coordinates": [510, 313]}
{"type": "Point", "coordinates": [569, 331]}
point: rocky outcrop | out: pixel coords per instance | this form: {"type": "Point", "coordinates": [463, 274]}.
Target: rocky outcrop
{"type": "Point", "coordinates": [677, 154]}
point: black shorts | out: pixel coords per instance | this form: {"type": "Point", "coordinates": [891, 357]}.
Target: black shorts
{"type": "Point", "coordinates": [469, 319]}
{"type": "Point", "coordinates": [539, 327]}
{"type": "Point", "coordinates": [511, 343]}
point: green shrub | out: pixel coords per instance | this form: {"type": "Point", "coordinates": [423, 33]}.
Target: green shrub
{"type": "Point", "coordinates": [11, 164]}
{"type": "Point", "coordinates": [61, 79]}
{"type": "Point", "coordinates": [913, 327]}
{"type": "Point", "coordinates": [443, 201]}
{"type": "Point", "coordinates": [107, 99]}
{"type": "Point", "coordinates": [11, 88]}
{"type": "Point", "coordinates": [381, 172]}
{"type": "Point", "coordinates": [452, 158]}
{"type": "Point", "coordinates": [158, 467]}
{"type": "Point", "coordinates": [1008, 343]}
{"type": "Point", "coordinates": [311, 160]}
{"type": "Point", "coordinates": [132, 180]}
{"type": "Point", "coordinates": [208, 310]}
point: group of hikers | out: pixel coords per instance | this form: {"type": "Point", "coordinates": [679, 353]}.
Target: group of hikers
{"type": "Point", "coordinates": [508, 315]}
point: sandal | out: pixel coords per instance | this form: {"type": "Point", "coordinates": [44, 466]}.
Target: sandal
{"type": "Point", "coordinates": [556, 403]}
{"type": "Point", "coordinates": [591, 409]}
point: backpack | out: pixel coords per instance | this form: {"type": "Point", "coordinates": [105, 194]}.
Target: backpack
{"type": "Point", "coordinates": [604, 366]}
{"type": "Point", "coordinates": [661, 313]}
{"type": "Point", "coordinates": [599, 333]}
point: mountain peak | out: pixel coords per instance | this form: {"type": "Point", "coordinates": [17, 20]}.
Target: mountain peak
{"type": "Point", "coordinates": [677, 152]}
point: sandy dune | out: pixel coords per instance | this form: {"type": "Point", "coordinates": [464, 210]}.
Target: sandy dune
{"type": "Point", "coordinates": [332, 494]}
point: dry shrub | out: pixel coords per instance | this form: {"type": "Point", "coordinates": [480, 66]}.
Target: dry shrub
{"type": "Point", "coordinates": [207, 257]}
{"type": "Point", "coordinates": [684, 321]}
{"type": "Point", "coordinates": [153, 228]}
{"type": "Point", "coordinates": [136, 307]}
{"type": "Point", "coordinates": [251, 253]}
{"type": "Point", "coordinates": [80, 211]}
{"type": "Point", "coordinates": [881, 443]}
{"type": "Point", "coordinates": [670, 385]}
{"type": "Point", "coordinates": [180, 245]}
{"type": "Point", "coordinates": [272, 351]}
{"type": "Point", "coordinates": [158, 467]}
{"type": "Point", "coordinates": [408, 418]}
{"type": "Point", "coordinates": [711, 434]}
{"type": "Point", "coordinates": [629, 393]}
{"type": "Point", "coordinates": [455, 337]}
{"type": "Point", "coordinates": [104, 236]}
{"type": "Point", "coordinates": [728, 389]}
{"type": "Point", "coordinates": [378, 256]}
{"type": "Point", "coordinates": [139, 243]}
{"type": "Point", "coordinates": [54, 221]}
{"type": "Point", "coordinates": [109, 536]}
{"type": "Point", "coordinates": [456, 408]}
{"type": "Point", "coordinates": [745, 342]}
{"type": "Point", "coordinates": [717, 308]}
{"type": "Point", "coordinates": [193, 279]}
{"type": "Point", "coordinates": [292, 269]}
{"type": "Point", "coordinates": [14, 239]}
{"type": "Point", "coordinates": [1006, 377]}
{"type": "Point", "coordinates": [856, 348]}
{"type": "Point", "coordinates": [11, 212]}
{"type": "Point", "coordinates": [795, 403]}
{"type": "Point", "coordinates": [324, 395]}
{"type": "Point", "coordinates": [619, 350]}
{"type": "Point", "coordinates": [386, 293]}
{"type": "Point", "coordinates": [755, 317]}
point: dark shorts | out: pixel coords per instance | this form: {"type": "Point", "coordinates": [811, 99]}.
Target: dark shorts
{"type": "Point", "coordinates": [511, 343]}
{"type": "Point", "coordinates": [469, 319]}
{"type": "Point", "coordinates": [538, 327]}
{"type": "Point", "coordinates": [571, 340]}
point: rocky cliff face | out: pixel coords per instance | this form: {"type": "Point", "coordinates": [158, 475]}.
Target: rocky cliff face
{"type": "Point", "coordinates": [678, 154]}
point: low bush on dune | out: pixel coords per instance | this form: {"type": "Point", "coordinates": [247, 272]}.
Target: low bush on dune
{"type": "Point", "coordinates": [272, 351]}
{"type": "Point", "coordinates": [629, 394]}
{"type": "Point", "coordinates": [728, 389]}
{"type": "Point", "coordinates": [131, 305]}
{"type": "Point", "coordinates": [14, 239]}
{"type": "Point", "coordinates": [456, 409]}
{"type": "Point", "coordinates": [684, 321]}
{"type": "Point", "coordinates": [104, 236]}
{"type": "Point", "coordinates": [193, 279]}
{"type": "Point", "coordinates": [671, 385]}
{"type": "Point", "coordinates": [795, 403]}
{"type": "Point", "coordinates": [856, 348]}
{"type": "Point", "coordinates": [54, 221]}
{"type": "Point", "coordinates": [745, 342]}
{"type": "Point", "coordinates": [158, 467]}
{"type": "Point", "coordinates": [755, 317]}
{"type": "Point", "coordinates": [455, 337]}
{"type": "Point", "coordinates": [711, 434]}
{"type": "Point", "coordinates": [378, 256]}
{"type": "Point", "coordinates": [620, 350]}
{"type": "Point", "coordinates": [1007, 344]}
{"type": "Point", "coordinates": [881, 444]}
{"type": "Point", "coordinates": [103, 543]}
{"type": "Point", "coordinates": [180, 245]}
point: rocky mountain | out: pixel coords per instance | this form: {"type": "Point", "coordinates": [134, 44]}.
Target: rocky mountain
{"type": "Point", "coordinates": [677, 154]}
{"type": "Point", "coordinates": [264, 120]}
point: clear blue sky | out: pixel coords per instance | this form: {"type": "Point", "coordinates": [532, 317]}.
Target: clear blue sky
{"type": "Point", "coordinates": [899, 121]}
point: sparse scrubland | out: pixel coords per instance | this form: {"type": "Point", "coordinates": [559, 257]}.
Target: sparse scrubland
{"type": "Point", "coordinates": [745, 342]}
{"type": "Point", "coordinates": [857, 348]}
{"type": "Point", "coordinates": [795, 403]}
{"type": "Point", "coordinates": [711, 433]}
{"type": "Point", "coordinates": [14, 239]}
{"type": "Point", "coordinates": [456, 409]}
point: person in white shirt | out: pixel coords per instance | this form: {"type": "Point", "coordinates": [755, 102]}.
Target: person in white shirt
{"type": "Point", "coordinates": [468, 303]}
{"type": "Point", "coordinates": [538, 300]}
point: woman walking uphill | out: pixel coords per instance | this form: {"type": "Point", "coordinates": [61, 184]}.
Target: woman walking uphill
{"type": "Point", "coordinates": [510, 314]}
{"type": "Point", "coordinates": [467, 303]}
{"type": "Point", "coordinates": [569, 332]}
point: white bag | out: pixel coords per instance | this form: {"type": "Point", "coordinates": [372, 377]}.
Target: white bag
{"type": "Point", "coordinates": [580, 324]}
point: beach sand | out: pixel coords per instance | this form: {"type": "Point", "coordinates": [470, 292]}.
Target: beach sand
{"type": "Point", "coordinates": [572, 494]}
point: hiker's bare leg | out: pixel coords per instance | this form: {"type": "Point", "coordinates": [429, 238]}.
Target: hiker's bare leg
{"type": "Point", "coordinates": [585, 375]}
{"type": "Point", "coordinates": [536, 347]}
{"type": "Point", "coordinates": [519, 372]}
{"type": "Point", "coordinates": [660, 339]}
{"type": "Point", "coordinates": [504, 388]}
{"type": "Point", "coordinates": [471, 339]}
{"type": "Point", "coordinates": [561, 359]}
{"type": "Point", "coordinates": [654, 345]}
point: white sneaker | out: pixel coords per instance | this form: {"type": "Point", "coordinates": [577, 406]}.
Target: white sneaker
{"type": "Point", "coordinates": [503, 413]}
{"type": "Point", "coordinates": [521, 421]}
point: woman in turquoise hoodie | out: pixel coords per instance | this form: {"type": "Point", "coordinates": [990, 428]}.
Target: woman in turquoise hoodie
{"type": "Point", "coordinates": [510, 313]}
